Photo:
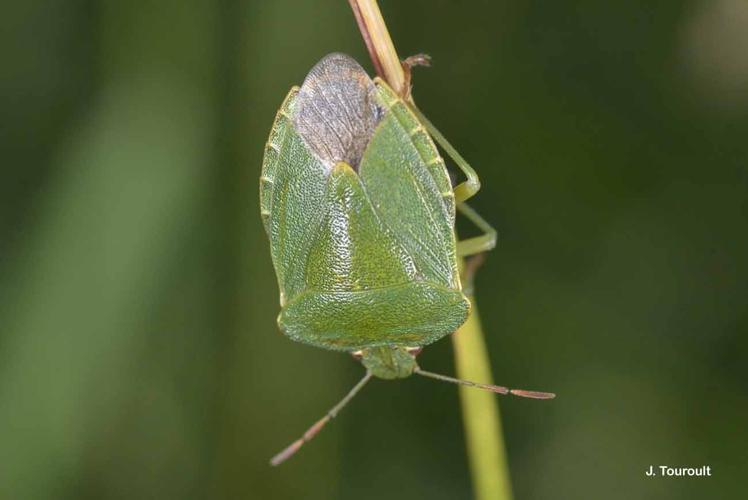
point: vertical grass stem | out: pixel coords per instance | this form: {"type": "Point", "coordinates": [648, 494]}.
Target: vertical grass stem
{"type": "Point", "coordinates": [485, 444]}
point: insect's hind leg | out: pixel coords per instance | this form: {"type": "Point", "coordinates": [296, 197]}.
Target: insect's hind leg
{"type": "Point", "coordinates": [466, 189]}
{"type": "Point", "coordinates": [476, 244]}
{"type": "Point", "coordinates": [462, 192]}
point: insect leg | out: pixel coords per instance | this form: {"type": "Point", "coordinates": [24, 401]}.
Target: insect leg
{"type": "Point", "coordinates": [466, 189]}
{"type": "Point", "coordinates": [463, 192]}
{"type": "Point", "coordinates": [476, 244]}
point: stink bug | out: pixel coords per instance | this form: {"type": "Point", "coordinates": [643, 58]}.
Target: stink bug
{"type": "Point", "coordinates": [360, 213]}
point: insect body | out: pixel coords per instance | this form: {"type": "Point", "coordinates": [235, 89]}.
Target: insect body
{"type": "Point", "coordinates": [360, 213]}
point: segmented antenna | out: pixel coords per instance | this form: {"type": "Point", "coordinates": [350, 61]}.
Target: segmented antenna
{"type": "Point", "coordinates": [493, 388]}
{"type": "Point", "coordinates": [291, 449]}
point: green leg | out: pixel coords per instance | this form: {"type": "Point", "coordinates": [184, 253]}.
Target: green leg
{"type": "Point", "coordinates": [466, 189]}
{"type": "Point", "coordinates": [477, 244]}
{"type": "Point", "coordinates": [475, 247]}
{"type": "Point", "coordinates": [463, 192]}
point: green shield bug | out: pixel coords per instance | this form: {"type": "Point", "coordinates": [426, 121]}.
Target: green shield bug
{"type": "Point", "coordinates": [360, 213]}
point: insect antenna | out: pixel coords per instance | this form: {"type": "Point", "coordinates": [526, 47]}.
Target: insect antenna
{"type": "Point", "coordinates": [291, 449]}
{"type": "Point", "coordinates": [493, 388]}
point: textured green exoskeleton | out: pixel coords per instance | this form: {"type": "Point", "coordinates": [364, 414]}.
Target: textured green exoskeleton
{"type": "Point", "coordinates": [360, 213]}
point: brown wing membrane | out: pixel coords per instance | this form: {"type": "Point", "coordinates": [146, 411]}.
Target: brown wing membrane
{"type": "Point", "coordinates": [336, 110]}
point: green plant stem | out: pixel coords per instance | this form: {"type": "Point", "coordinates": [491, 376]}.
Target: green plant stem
{"type": "Point", "coordinates": [480, 411]}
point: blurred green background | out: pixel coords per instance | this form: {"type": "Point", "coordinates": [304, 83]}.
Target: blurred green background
{"type": "Point", "coordinates": [139, 356]}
